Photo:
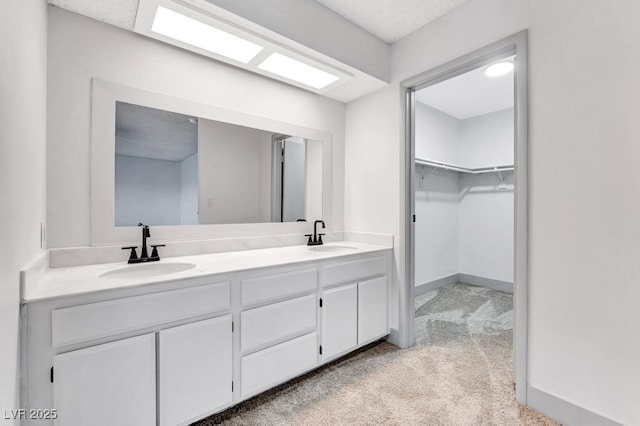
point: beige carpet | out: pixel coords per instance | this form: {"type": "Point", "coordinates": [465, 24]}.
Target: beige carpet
{"type": "Point", "coordinates": [459, 373]}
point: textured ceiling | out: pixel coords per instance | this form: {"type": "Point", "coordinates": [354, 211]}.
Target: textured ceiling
{"type": "Point", "coordinates": [121, 13]}
{"type": "Point", "coordinates": [153, 133]}
{"type": "Point", "coordinates": [470, 94]}
{"type": "Point", "coordinates": [391, 20]}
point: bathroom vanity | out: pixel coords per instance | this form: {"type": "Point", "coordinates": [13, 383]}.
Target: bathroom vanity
{"type": "Point", "coordinates": [176, 341]}
{"type": "Point", "coordinates": [173, 341]}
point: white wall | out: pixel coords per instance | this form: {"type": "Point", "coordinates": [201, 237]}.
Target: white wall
{"type": "Point", "coordinates": [147, 191]}
{"type": "Point", "coordinates": [437, 227]}
{"type": "Point", "coordinates": [438, 138]}
{"type": "Point", "coordinates": [481, 141]}
{"type": "Point", "coordinates": [486, 213]}
{"type": "Point", "coordinates": [189, 190]}
{"type": "Point", "coordinates": [584, 194]}
{"type": "Point", "coordinates": [464, 223]}
{"type": "Point", "coordinates": [23, 55]}
{"type": "Point", "coordinates": [485, 220]}
{"type": "Point", "coordinates": [372, 177]}
{"type": "Point", "coordinates": [230, 173]}
{"type": "Point", "coordinates": [80, 49]}
{"type": "Point", "coordinates": [487, 140]}
{"type": "Point", "coordinates": [438, 135]}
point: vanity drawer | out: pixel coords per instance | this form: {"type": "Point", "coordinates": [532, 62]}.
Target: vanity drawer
{"type": "Point", "coordinates": [274, 323]}
{"type": "Point", "coordinates": [265, 369]}
{"type": "Point", "coordinates": [278, 286]}
{"type": "Point", "coordinates": [353, 270]}
{"type": "Point", "coordinates": [98, 320]}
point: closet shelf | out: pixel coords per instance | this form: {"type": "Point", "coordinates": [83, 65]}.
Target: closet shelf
{"type": "Point", "coordinates": [455, 168]}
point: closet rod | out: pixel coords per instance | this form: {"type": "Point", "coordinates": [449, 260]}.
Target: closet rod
{"type": "Point", "coordinates": [452, 167]}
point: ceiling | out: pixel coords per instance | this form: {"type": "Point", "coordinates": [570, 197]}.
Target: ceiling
{"type": "Point", "coordinates": [121, 13]}
{"type": "Point", "coordinates": [391, 20]}
{"type": "Point", "coordinates": [470, 94]}
{"type": "Point", "coordinates": [347, 35]}
{"type": "Point", "coordinates": [152, 133]}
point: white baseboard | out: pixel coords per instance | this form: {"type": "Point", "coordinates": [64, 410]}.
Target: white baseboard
{"type": "Point", "coordinates": [464, 279]}
{"type": "Point", "coordinates": [565, 412]}
{"type": "Point", "coordinates": [394, 337]}
{"type": "Point", "coordinates": [486, 282]}
{"type": "Point", "coordinates": [430, 286]}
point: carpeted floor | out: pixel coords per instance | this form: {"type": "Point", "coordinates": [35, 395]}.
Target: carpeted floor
{"type": "Point", "coordinates": [459, 373]}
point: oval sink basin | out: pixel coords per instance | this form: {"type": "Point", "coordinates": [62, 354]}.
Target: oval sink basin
{"type": "Point", "coordinates": [147, 270]}
{"type": "Point", "coordinates": [332, 248]}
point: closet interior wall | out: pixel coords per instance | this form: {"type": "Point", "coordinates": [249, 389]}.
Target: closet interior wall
{"type": "Point", "coordinates": [465, 222]}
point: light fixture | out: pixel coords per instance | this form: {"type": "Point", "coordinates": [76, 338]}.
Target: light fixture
{"type": "Point", "coordinates": [295, 70]}
{"type": "Point", "coordinates": [201, 27]}
{"type": "Point", "coordinates": [196, 33]}
{"type": "Point", "coordinates": [499, 68]}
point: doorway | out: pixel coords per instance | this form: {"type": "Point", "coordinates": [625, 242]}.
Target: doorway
{"type": "Point", "coordinates": [289, 178]}
{"type": "Point", "coordinates": [466, 198]}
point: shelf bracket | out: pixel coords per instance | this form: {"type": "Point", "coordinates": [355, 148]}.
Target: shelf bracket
{"type": "Point", "coordinates": [503, 184]}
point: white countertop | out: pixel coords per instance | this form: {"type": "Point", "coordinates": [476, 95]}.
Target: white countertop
{"type": "Point", "coordinates": [78, 280]}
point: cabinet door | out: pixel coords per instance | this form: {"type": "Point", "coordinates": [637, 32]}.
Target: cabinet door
{"type": "Point", "coordinates": [372, 309]}
{"type": "Point", "coordinates": [195, 370]}
{"type": "Point", "coordinates": [339, 320]}
{"type": "Point", "coordinates": [110, 384]}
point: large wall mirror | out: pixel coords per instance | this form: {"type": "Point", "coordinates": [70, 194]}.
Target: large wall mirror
{"type": "Point", "coordinates": [175, 169]}
{"type": "Point", "coordinates": [195, 171]}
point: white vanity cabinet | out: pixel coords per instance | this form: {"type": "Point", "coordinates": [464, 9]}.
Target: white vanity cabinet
{"type": "Point", "coordinates": [115, 383]}
{"type": "Point", "coordinates": [339, 320]}
{"type": "Point", "coordinates": [175, 354]}
{"type": "Point", "coordinates": [354, 306]}
{"type": "Point", "coordinates": [373, 319]}
{"type": "Point", "coordinates": [177, 351]}
{"type": "Point", "coordinates": [108, 384]}
{"type": "Point", "coordinates": [278, 338]}
{"type": "Point", "coordinates": [194, 370]}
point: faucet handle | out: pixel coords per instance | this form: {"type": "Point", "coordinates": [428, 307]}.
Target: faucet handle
{"type": "Point", "coordinates": [320, 238]}
{"type": "Point", "coordinates": [133, 255]}
{"type": "Point", "coordinates": [154, 253]}
{"type": "Point", "coordinates": [310, 240]}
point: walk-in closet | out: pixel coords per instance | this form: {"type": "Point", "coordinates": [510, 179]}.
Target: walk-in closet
{"type": "Point", "coordinates": [464, 228]}
{"type": "Point", "coordinates": [464, 145]}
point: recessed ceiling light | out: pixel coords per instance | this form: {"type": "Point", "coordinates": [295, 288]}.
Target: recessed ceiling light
{"type": "Point", "coordinates": [295, 70]}
{"type": "Point", "coordinates": [499, 68]}
{"type": "Point", "coordinates": [196, 33]}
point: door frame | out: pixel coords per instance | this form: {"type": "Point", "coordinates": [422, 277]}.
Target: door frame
{"type": "Point", "coordinates": [514, 45]}
{"type": "Point", "coordinates": [277, 175]}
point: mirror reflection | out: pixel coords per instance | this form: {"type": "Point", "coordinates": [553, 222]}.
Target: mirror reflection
{"type": "Point", "coordinates": [176, 169]}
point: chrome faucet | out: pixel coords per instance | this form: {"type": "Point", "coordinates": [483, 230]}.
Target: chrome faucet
{"type": "Point", "coordinates": [144, 255]}
{"type": "Point", "coordinates": [315, 239]}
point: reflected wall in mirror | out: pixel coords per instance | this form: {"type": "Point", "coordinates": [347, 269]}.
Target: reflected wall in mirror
{"type": "Point", "coordinates": [177, 169]}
